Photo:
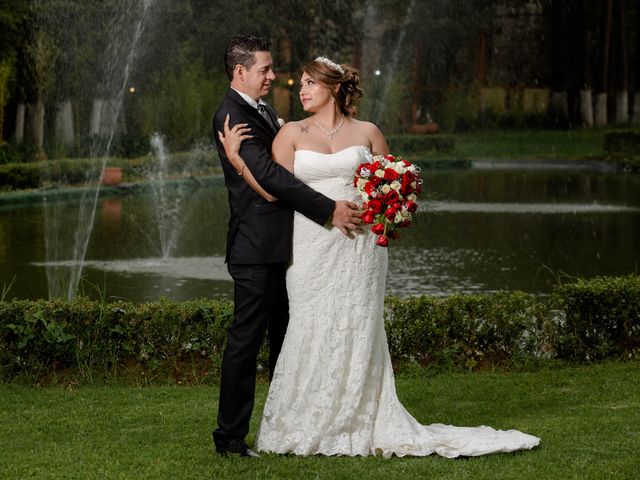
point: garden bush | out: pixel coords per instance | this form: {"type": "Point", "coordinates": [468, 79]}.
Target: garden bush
{"type": "Point", "coordinates": [406, 145]}
{"type": "Point", "coordinates": [601, 318]}
{"type": "Point", "coordinates": [622, 142]}
{"type": "Point", "coordinates": [588, 320]}
{"type": "Point", "coordinates": [78, 171]}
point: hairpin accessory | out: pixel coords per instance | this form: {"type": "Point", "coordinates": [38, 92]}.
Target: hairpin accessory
{"type": "Point", "coordinates": [330, 64]}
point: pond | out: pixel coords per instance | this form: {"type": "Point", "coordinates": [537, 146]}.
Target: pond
{"type": "Point", "coordinates": [496, 226]}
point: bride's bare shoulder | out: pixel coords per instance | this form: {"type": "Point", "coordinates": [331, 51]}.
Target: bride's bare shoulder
{"type": "Point", "coordinates": [369, 126]}
{"type": "Point", "coordinates": [291, 130]}
{"type": "Point", "coordinates": [373, 134]}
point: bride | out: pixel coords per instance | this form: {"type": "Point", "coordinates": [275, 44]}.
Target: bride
{"type": "Point", "coordinates": [333, 390]}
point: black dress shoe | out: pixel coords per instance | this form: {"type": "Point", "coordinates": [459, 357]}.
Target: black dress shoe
{"type": "Point", "coordinates": [234, 447]}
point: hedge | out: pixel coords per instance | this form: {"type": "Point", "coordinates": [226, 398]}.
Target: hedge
{"type": "Point", "coordinates": [76, 171]}
{"type": "Point", "coordinates": [623, 148]}
{"type": "Point", "coordinates": [584, 321]}
{"type": "Point", "coordinates": [19, 175]}
{"type": "Point", "coordinates": [406, 145]}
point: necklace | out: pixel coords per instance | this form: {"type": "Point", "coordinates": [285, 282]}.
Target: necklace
{"type": "Point", "coordinates": [333, 132]}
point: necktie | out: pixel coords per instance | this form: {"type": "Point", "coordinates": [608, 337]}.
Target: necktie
{"type": "Point", "coordinates": [262, 110]}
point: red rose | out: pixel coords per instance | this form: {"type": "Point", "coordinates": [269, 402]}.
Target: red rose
{"type": "Point", "coordinates": [411, 206]}
{"type": "Point", "coordinates": [390, 213]}
{"type": "Point", "coordinates": [375, 205]}
{"type": "Point", "coordinates": [375, 180]}
{"type": "Point", "coordinates": [407, 178]}
{"type": "Point", "coordinates": [368, 216]}
{"type": "Point", "coordinates": [391, 197]}
{"type": "Point", "coordinates": [369, 187]}
{"type": "Point", "coordinates": [390, 174]}
{"type": "Point", "coordinates": [382, 241]}
{"type": "Point", "coordinates": [378, 229]}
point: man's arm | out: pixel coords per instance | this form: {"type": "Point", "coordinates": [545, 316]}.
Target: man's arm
{"type": "Point", "coordinates": [281, 183]}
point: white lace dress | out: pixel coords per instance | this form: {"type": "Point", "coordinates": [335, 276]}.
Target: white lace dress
{"type": "Point", "coordinates": [333, 390]}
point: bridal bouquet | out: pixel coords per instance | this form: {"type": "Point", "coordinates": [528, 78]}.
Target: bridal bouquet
{"type": "Point", "coordinates": [389, 186]}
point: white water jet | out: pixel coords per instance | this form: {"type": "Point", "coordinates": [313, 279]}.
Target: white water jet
{"type": "Point", "coordinates": [63, 282]}
{"type": "Point", "coordinates": [166, 205]}
{"type": "Point", "coordinates": [389, 71]}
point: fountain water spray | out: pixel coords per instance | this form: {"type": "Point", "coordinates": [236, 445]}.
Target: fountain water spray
{"type": "Point", "coordinates": [166, 206]}
{"type": "Point", "coordinates": [390, 69]}
{"type": "Point", "coordinates": [107, 110]}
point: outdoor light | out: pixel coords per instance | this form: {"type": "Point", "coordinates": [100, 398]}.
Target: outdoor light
{"type": "Point", "coordinates": [377, 73]}
{"type": "Point", "coordinates": [132, 89]}
{"type": "Point", "coordinates": [290, 82]}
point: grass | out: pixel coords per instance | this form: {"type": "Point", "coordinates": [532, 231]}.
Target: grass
{"type": "Point", "coordinates": [531, 144]}
{"type": "Point", "coordinates": [587, 416]}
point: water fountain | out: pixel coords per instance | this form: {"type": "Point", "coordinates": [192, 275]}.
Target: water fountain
{"type": "Point", "coordinates": [384, 75]}
{"type": "Point", "coordinates": [67, 234]}
{"type": "Point", "coordinates": [166, 204]}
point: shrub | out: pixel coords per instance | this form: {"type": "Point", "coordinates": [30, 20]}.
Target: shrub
{"type": "Point", "coordinates": [406, 145]}
{"type": "Point", "coordinates": [42, 337]}
{"type": "Point", "coordinates": [622, 142]}
{"type": "Point", "coordinates": [585, 321]}
{"type": "Point", "coordinates": [601, 318]}
{"type": "Point", "coordinates": [468, 331]}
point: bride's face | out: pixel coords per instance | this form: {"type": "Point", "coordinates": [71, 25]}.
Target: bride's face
{"type": "Point", "coordinates": [313, 95]}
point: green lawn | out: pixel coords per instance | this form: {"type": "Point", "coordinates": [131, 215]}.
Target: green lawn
{"type": "Point", "coordinates": [588, 418]}
{"type": "Point", "coordinates": [530, 144]}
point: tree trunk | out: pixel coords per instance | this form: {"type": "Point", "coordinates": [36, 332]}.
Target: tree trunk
{"type": "Point", "coordinates": [19, 134]}
{"type": "Point", "coordinates": [586, 108]}
{"type": "Point", "coordinates": [64, 123]}
{"type": "Point", "coordinates": [34, 123]}
{"type": "Point", "coordinates": [600, 114]}
{"type": "Point", "coordinates": [636, 108]}
{"type": "Point", "coordinates": [621, 67]}
{"type": "Point", "coordinates": [584, 65]}
{"type": "Point", "coordinates": [558, 101]}
{"type": "Point", "coordinates": [636, 97]}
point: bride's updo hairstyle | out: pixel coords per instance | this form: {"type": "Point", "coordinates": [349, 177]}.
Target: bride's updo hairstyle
{"type": "Point", "coordinates": [330, 74]}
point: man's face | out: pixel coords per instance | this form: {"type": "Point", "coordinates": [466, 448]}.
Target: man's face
{"type": "Point", "coordinates": [256, 81]}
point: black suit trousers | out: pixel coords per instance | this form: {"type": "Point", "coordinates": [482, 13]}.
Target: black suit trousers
{"type": "Point", "coordinates": [261, 304]}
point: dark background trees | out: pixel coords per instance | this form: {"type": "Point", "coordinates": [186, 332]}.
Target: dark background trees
{"type": "Point", "coordinates": [558, 63]}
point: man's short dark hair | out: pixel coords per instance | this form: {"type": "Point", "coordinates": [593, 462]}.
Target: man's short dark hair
{"type": "Point", "coordinates": [240, 51]}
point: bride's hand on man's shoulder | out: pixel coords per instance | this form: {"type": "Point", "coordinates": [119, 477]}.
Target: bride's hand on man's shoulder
{"type": "Point", "coordinates": [232, 137]}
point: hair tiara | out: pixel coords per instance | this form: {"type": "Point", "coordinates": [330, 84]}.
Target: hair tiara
{"type": "Point", "coordinates": [331, 64]}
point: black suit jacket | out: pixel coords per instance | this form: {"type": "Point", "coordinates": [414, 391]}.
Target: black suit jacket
{"type": "Point", "coordinates": [261, 231]}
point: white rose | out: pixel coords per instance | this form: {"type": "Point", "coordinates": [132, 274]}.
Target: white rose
{"type": "Point", "coordinates": [395, 185]}
{"type": "Point", "coordinates": [361, 183]}
{"type": "Point", "coordinates": [399, 167]}
{"type": "Point", "coordinates": [412, 197]}
{"type": "Point", "coordinates": [379, 173]}
{"type": "Point", "coordinates": [386, 189]}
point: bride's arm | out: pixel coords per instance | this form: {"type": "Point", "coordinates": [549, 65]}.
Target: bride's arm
{"type": "Point", "coordinates": [283, 147]}
{"type": "Point", "coordinates": [231, 140]}
{"type": "Point", "coordinates": [378, 143]}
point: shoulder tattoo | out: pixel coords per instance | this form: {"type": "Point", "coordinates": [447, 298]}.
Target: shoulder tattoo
{"type": "Point", "coordinates": [304, 129]}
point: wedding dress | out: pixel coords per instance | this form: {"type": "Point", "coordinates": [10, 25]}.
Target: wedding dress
{"type": "Point", "coordinates": [333, 390]}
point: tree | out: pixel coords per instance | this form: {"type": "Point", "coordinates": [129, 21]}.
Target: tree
{"type": "Point", "coordinates": [600, 114]}
{"type": "Point", "coordinates": [621, 66]}
{"type": "Point", "coordinates": [636, 102]}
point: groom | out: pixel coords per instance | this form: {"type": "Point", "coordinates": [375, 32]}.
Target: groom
{"type": "Point", "coordinates": [259, 239]}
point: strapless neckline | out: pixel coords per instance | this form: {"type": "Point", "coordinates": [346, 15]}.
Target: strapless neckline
{"type": "Point", "coordinates": [333, 153]}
